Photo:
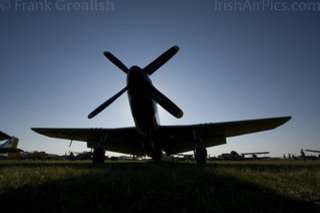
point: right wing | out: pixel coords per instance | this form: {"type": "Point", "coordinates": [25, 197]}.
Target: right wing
{"type": "Point", "coordinates": [123, 140]}
{"type": "Point", "coordinates": [177, 139]}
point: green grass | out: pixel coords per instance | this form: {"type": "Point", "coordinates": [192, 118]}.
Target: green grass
{"type": "Point", "coordinates": [255, 186]}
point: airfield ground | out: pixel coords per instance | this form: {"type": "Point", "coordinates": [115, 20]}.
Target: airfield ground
{"type": "Point", "coordinates": [255, 186]}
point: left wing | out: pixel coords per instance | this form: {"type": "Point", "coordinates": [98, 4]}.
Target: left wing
{"type": "Point", "coordinates": [123, 140]}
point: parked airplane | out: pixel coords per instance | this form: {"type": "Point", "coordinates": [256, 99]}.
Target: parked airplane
{"type": "Point", "coordinates": [10, 145]}
{"type": "Point", "coordinates": [255, 155]}
{"type": "Point", "coordinates": [233, 155]}
{"type": "Point", "coordinates": [148, 137]}
{"type": "Point", "coordinates": [315, 151]}
{"type": "Point", "coordinates": [83, 155]}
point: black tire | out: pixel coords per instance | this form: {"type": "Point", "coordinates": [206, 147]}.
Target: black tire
{"type": "Point", "coordinates": [200, 156]}
{"type": "Point", "coordinates": [98, 156]}
{"type": "Point", "coordinates": [157, 157]}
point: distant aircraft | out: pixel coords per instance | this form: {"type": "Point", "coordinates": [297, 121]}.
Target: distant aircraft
{"type": "Point", "coordinates": [10, 145]}
{"type": "Point", "coordinates": [50, 157]}
{"type": "Point", "coordinates": [84, 155]}
{"type": "Point", "coordinates": [233, 155]}
{"type": "Point", "coordinates": [148, 137]}
{"type": "Point", "coordinates": [315, 151]}
{"type": "Point", "coordinates": [255, 155]}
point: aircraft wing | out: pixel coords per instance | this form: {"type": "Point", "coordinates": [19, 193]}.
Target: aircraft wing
{"type": "Point", "coordinates": [123, 140]}
{"type": "Point", "coordinates": [309, 150]}
{"type": "Point", "coordinates": [3, 136]}
{"type": "Point", "coordinates": [255, 153]}
{"type": "Point", "coordinates": [179, 139]}
{"type": "Point", "coordinates": [10, 150]}
{"type": "Point", "coordinates": [175, 139]}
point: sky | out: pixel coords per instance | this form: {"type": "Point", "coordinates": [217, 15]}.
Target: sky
{"type": "Point", "coordinates": [235, 63]}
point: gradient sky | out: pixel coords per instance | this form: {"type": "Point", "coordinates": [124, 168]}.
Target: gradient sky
{"type": "Point", "coordinates": [231, 66]}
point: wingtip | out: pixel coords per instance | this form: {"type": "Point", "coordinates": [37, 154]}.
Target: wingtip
{"type": "Point", "coordinates": [288, 118]}
{"type": "Point", "coordinates": [285, 119]}
{"type": "Point", "coordinates": [35, 129]}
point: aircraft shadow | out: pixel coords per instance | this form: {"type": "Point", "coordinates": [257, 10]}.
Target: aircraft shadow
{"type": "Point", "coordinates": [127, 187]}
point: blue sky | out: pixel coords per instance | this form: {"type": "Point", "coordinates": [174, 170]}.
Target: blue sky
{"type": "Point", "coordinates": [231, 66]}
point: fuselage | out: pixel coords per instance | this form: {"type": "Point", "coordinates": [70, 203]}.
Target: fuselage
{"type": "Point", "coordinates": [143, 107]}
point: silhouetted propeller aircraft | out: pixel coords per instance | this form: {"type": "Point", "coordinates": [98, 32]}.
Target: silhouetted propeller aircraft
{"type": "Point", "coordinates": [148, 137]}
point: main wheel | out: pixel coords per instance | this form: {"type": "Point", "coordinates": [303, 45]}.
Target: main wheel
{"type": "Point", "coordinates": [157, 157]}
{"type": "Point", "coordinates": [200, 154]}
{"type": "Point", "coordinates": [98, 156]}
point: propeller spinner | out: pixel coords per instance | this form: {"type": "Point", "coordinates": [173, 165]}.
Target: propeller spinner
{"type": "Point", "coordinates": [155, 94]}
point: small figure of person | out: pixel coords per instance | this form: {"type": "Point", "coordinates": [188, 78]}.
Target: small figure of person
{"type": "Point", "coordinates": [303, 155]}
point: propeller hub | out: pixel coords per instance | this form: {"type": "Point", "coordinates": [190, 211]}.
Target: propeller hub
{"type": "Point", "coordinates": [137, 77]}
{"type": "Point", "coordinates": [138, 81]}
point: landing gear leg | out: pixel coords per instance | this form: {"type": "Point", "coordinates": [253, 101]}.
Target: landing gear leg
{"type": "Point", "coordinates": [99, 151]}
{"type": "Point", "coordinates": [98, 155]}
{"type": "Point", "coordinates": [157, 156]}
{"type": "Point", "coordinates": [156, 151]}
{"type": "Point", "coordinates": [200, 151]}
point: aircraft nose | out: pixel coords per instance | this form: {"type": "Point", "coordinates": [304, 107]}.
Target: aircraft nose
{"type": "Point", "coordinates": [134, 75]}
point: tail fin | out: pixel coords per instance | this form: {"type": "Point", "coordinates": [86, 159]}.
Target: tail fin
{"type": "Point", "coordinates": [15, 143]}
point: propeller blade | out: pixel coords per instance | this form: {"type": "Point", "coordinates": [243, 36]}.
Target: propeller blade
{"type": "Point", "coordinates": [106, 104]}
{"type": "Point", "coordinates": [116, 61]}
{"type": "Point", "coordinates": [4, 136]}
{"type": "Point", "coordinates": [165, 102]}
{"type": "Point", "coordinates": [162, 59]}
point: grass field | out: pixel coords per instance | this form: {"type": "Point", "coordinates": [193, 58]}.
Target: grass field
{"type": "Point", "coordinates": [255, 186]}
